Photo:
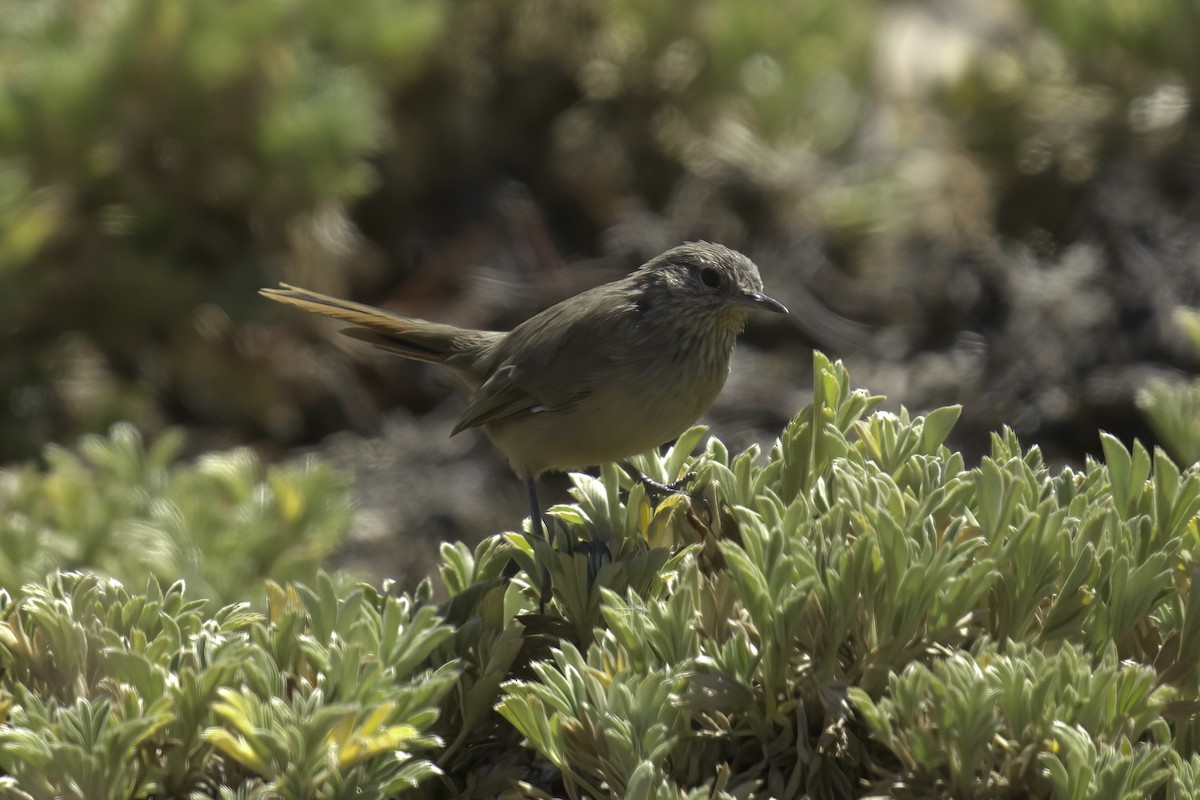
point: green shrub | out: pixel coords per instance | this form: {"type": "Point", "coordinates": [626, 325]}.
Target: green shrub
{"type": "Point", "coordinates": [222, 524]}
{"type": "Point", "coordinates": [864, 611]}
{"type": "Point", "coordinates": [109, 694]}
{"type": "Point", "coordinates": [1174, 412]}
{"type": "Point", "coordinates": [859, 613]}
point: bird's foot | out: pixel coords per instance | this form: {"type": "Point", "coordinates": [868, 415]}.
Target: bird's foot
{"type": "Point", "coordinates": [656, 490]}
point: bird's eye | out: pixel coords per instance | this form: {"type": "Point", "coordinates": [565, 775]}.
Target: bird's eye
{"type": "Point", "coordinates": [710, 277]}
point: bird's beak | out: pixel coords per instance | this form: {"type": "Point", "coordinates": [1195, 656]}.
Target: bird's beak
{"type": "Point", "coordinates": [760, 300]}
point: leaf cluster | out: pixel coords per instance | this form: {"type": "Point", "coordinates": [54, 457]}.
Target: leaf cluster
{"type": "Point", "coordinates": [125, 509]}
{"type": "Point", "coordinates": [1173, 411]}
{"type": "Point", "coordinates": [118, 695]}
{"type": "Point", "coordinates": [862, 610]}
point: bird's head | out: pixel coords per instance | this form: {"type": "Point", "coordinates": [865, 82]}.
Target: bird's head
{"type": "Point", "coordinates": [711, 279]}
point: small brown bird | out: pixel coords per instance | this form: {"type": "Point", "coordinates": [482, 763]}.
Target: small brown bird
{"type": "Point", "coordinates": [604, 375]}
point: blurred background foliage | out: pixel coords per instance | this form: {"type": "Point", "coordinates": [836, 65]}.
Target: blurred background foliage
{"type": "Point", "coordinates": [120, 507]}
{"type": "Point", "coordinates": [992, 202]}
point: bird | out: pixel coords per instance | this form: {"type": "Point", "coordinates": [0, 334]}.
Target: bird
{"type": "Point", "coordinates": [601, 376]}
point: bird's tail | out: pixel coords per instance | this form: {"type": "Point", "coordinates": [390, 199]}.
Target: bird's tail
{"type": "Point", "coordinates": [418, 339]}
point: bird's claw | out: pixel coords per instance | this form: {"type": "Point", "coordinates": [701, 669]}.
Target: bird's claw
{"type": "Point", "coordinates": [655, 489]}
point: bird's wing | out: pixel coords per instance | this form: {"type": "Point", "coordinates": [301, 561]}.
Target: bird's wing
{"type": "Point", "coordinates": [539, 368]}
{"type": "Point", "coordinates": [502, 395]}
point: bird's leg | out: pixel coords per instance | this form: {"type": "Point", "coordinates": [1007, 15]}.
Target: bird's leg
{"type": "Point", "coordinates": [653, 487]}
{"type": "Point", "coordinates": [535, 509]}
{"type": "Point", "coordinates": [538, 523]}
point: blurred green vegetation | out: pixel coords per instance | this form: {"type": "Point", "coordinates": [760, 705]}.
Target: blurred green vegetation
{"type": "Point", "coordinates": [160, 159]}
{"type": "Point", "coordinates": [125, 509]}
{"type": "Point", "coordinates": [154, 158]}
